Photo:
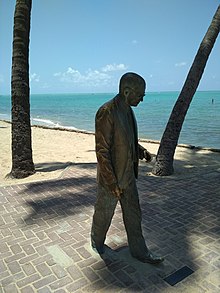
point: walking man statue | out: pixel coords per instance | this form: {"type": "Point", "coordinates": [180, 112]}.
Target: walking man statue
{"type": "Point", "coordinates": [118, 153]}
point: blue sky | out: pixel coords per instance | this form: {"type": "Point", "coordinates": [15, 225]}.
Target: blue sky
{"type": "Point", "coordinates": [86, 45]}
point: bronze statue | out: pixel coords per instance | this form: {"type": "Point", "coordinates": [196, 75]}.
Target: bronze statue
{"type": "Point", "coordinates": [118, 153]}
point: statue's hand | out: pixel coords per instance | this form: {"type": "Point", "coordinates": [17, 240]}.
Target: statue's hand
{"type": "Point", "coordinates": [148, 157]}
{"type": "Point", "coordinates": [141, 153]}
{"type": "Point", "coordinates": [144, 154]}
{"type": "Point", "coordinates": [115, 190]}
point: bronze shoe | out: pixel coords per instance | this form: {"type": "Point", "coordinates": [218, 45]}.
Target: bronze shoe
{"type": "Point", "coordinates": [151, 258]}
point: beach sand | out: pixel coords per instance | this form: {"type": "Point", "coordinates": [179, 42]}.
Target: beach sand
{"type": "Point", "coordinates": [55, 150]}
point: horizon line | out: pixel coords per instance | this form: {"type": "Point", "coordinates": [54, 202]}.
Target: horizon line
{"type": "Point", "coordinates": [95, 93]}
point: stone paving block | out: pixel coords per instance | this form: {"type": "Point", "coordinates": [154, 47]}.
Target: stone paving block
{"type": "Point", "coordinates": [97, 286]}
{"type": "Point", "coordinates": [14, 267]}
{"type": "Point", "coordinates": [87, 262]}
{"type": "Point", "coordinates": [41, 259]}
{"type": "Point", "coordinates": [75, 272]}
{"type": "Point", "coordinates": [11, 288]}
{"type": "Point", "coordinates": [116, 266]}
{"type": "Point", "coordinates": [41, 250]}
{"type": "Point", "coordinates": [43, 269]}
{"type": "Point", "coordinates": [83, 252]}
{"type": "Point", "coordinates": [16, 248]}
{"type": "Point", "coordinates": [60, 291]}
{"type": "Point", "coordinates": [22, 233]}
{"type": "Point", "coordinates": [59, 271]}
{"type": "Point", "coordinates": [78, 237]}
{"type": "Point", "coordinates": [14, 257]}
{"type": "Point", "coordinates": [29, 269]}
{"type": "Point", "coordinates": [9, 279]}
{"type": "Point", "coordinates": [107, 276]}
{"type": "Point", "coordinates": [90, 274]}
{"type": "Point", "coordinates": [28, 280]}
{"type": "Point", "coordinates": [28, 258]}
{"type": "Point", "coordinates": [4, 248]}
{"type": "Point", "coordinates": [72, 253]}
{"type": "Point", "coordinates": [28, 249]}
{"type": "Point", "coordinates": [27, 289]}
{"type": "Point", "coordinates": [13, 239]}
{"type": "Point", "coordinates": [67, 243]}
{"type": "Point", "coordinates": [76, 285]}
{"type": "Point", "coordinates": [124, 278]}
{"type": "Point", "coordinates": [4, 275]}
{"type": "Point", "coordinates": [44, 281]}
{"type": "Point", "coordinates": [44, 290]}
{"type": "Point", "coordinates": [60, 283]}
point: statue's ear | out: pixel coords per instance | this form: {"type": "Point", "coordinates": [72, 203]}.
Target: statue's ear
{"type": "Point", "coordinates": [126, 92]}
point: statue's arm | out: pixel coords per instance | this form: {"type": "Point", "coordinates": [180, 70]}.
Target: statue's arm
{"type": "Point", "coordinates": [104, 138]}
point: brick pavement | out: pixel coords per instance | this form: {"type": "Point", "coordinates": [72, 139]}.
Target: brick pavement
{"type": "Point", "coordinates": [45, 242]}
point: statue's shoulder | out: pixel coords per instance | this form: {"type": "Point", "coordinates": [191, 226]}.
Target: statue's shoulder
{"type": "Point", "coordinates": [108, 108]}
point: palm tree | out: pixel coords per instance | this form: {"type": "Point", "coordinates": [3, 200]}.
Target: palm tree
{"type": "Point", "coordinates": [165, 154]}
{"type": "Point", "coordinates": [22, 161]}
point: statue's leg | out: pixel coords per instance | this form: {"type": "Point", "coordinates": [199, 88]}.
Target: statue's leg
{"type": "Point", "coordinates": [104, 211]}
{"type": "Point", "coordinates": [132, 220]}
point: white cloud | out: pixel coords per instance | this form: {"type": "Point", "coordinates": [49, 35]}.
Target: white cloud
{"type": "Point", "coordinates": [180, 64]}
{"type": "Point", "coordinates": [89, 78]}
{"type": "Point", "coordinates": [34, 77]}
{"type": "Point", "coordinates": [114, 67]}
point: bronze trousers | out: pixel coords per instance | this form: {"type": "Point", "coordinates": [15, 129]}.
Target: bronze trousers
{"type": "Point", "coordinates": [104, 210]}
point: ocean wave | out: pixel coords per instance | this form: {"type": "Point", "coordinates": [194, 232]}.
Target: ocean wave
{"type": "Point", "coordinates": [50, 123]}
{"type": "Point", "coordinates": [44, 121]}
{"type": "Point", "coordinates": [69, 127]}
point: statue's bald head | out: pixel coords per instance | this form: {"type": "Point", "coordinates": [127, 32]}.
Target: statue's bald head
{"type": "Point", "coordinates": [131, 80]}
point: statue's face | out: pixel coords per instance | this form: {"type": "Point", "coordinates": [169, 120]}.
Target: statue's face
{"type": "Point", "coordinates": [134, 96]}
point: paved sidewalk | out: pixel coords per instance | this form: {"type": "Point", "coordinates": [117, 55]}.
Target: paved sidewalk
{"type": "Point", "coordinates": [45, 241]}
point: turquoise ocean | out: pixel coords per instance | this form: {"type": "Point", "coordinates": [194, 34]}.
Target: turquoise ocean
{"type": "Point", "coordinates": [77, 111]}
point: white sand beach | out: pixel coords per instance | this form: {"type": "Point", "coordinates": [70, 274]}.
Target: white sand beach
{"type": "Point", "coordinates": [54, 150]}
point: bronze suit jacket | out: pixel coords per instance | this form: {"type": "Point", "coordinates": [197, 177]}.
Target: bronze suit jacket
{"type": "Point", "coordinates": [116, 143]}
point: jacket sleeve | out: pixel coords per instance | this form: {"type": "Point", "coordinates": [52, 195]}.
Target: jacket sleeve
{"type": "Point", "coordinates": [104, 128]}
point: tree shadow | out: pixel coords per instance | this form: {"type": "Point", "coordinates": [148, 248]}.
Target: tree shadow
{"type": "Point", "coordinates": [51, 166]}
{"type": "Point", "coordinates": [62, 197]}
{"type": "Point", "coordinates": [63, 205]}
{"type": "Point", "coordinates": [55, 185]}
{"type": "Point", "coordinates": [91, 166]}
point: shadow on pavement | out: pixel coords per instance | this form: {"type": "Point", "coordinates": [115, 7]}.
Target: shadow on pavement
{"type": "Point", "coordinates": [51, 166]}
{"type": "Point", "coordinates": [180, 220]}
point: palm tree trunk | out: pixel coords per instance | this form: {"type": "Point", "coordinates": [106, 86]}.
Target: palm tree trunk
{"type": "Point", "coordinates": [22, 161]}
{"type": "Point", "coordinates": [164, 158]}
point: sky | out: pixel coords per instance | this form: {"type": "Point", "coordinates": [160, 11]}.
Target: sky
{"type": "Point", "coordinates": [81, 46]}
